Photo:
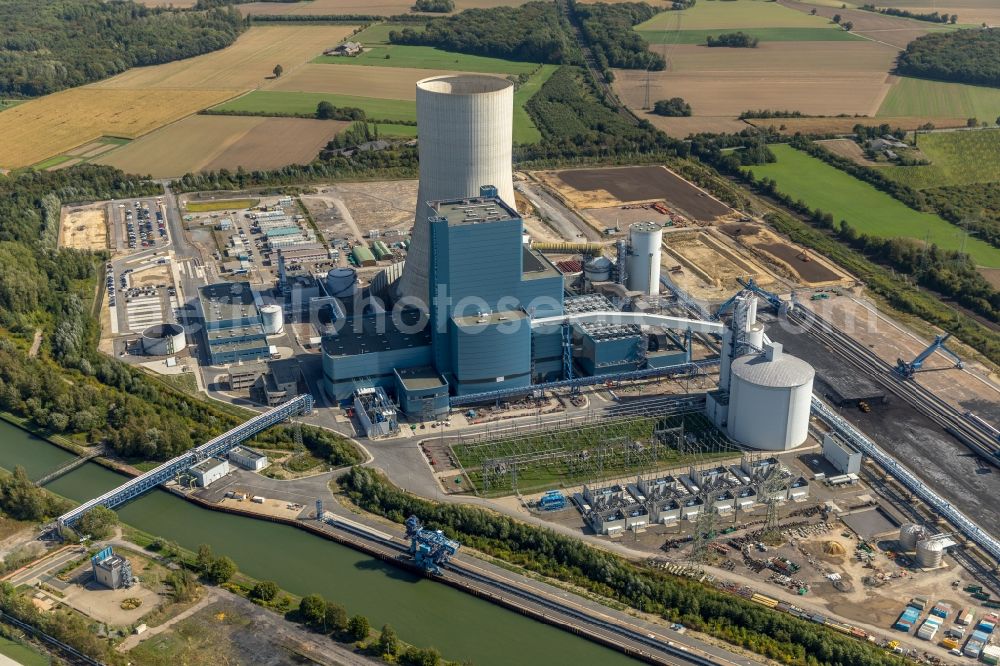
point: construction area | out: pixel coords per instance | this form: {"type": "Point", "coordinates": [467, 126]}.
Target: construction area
{"type": "Point", "coordinates": [84, 228]}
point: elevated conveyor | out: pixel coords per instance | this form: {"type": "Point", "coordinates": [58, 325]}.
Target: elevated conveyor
{"type": "Point", "coordinates": [301, 404]}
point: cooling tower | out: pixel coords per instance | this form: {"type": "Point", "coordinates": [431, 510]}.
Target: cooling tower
{"type": "Point", "coordinates": [464, 127]}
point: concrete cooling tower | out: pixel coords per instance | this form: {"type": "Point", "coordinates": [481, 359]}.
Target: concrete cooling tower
{"type": "Point", "coordinates": [464, 125]}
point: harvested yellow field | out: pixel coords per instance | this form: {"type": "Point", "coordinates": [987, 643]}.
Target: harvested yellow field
{"type": "Point", "coordinates": [683, 127]}
{"type": "Point", "coordinates": [84, 229]}
{"type": "Point", "coordinates": [245, 65]}
{"type": "Point", "coordinates": [55, 123]}
{"type": "Point", "coordinates": [376, 8]}
{"type": "Point", "coordinates": [201, 143]}
{"type": "Point", "coordinates": [817, 78]}
{"type": "Point", "coordinates": [357, 80]}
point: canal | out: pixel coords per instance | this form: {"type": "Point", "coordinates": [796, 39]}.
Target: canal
{"type": "Point", "coordinates": [423, 612]}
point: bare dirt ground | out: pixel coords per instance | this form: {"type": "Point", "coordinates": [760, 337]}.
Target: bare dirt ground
{"type": "Point", "coordinates": [84, 228]}
{"type": "Point", "coordinates": [358, 80]}
{"type": "Point", "coordinates": [380, 205]}
{"type": "Point", "coordinates": [601, 188]}
{"type": "Point", "coordinates": [683, 127]}
{"type": "Point", "coordinates": [709, 267]}
{"type": "Point", "coordinates": [818, 78]}
{"type": "Point", "coordinates": [784, 258]}
{"type": "Point", "coordinates": [992, 275]}
{"type": "Point", "coordinates": [151, 277]}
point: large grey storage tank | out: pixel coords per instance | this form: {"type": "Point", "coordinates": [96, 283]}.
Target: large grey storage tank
{"type": "Point", "coordinates": [909, 535]}
{"type": "Point", "coordinates": [273, 319]}
{"type": "Point", "coordinates": [163, 340]}
{"type": "Point", "coordinates": [342, 282]}
{"type": "Point", "coordinates": [770, 398]}
{"type": "Point", "coordinates": [597, 269]}
{"type": "Point", "coordinates": [930, 553]}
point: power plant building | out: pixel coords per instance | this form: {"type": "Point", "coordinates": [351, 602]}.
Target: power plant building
{"type": "Point", "coordinates": [232, 322]}
{"type": "Point", "coordinates": [111, 570]}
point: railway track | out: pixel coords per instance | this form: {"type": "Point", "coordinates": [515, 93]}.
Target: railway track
{"type": "Point", "coordinates": [917, 396]}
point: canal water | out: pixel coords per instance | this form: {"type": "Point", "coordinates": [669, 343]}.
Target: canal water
{"type": "Point", "coordinates": [423, 612]}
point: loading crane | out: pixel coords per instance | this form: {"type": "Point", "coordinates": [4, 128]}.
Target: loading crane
{"type": "Point", "coordinates": [429, 548]}
{"type": "Point", "coordinates": [750, 285]}
{"type": "Point", "coordinates": [907, 370]}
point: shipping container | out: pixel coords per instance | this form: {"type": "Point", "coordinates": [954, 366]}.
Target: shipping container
{"type": "Point", "coordinates": [964, 617]}
{"type": "Point", "coordinates": [986, 627]}
{"type": "Point", "coordinates": [949, 643]}
{"type": "Point", "coordinates": [990, 654]}
{"type": "Point", "coordinates": [257, 499]}
{"type": "Point", "coordinates": [973, 647]}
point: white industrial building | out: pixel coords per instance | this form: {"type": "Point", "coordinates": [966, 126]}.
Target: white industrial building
{"type": "Point", "coordinates": [465, 143]}
{"type": "Point", "coordinates": [248, 458]}
{"type": "Point", "coordinates": [163, 340]}
{"type": "Point", "coordinates": [111, 570]}
{"type": "Point", "coordinates": [209, 471]}
{"type": "Point", "coordinates": [844, 458]}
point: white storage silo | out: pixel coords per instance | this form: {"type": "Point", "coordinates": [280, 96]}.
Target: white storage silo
{"type": "Point", "coordinates": [770, 396]}
{"type": "Point", "coordinates": [163, 340]}
{"type": "Point", "coordinates": [909, 535]}
{"type": "Point", "coordinates": [273, 319]}
{"type": "Point", "coordinates": [930, 553]}
{"type": "Point", "coordinates": [645, 239]}
{"type": "Point", "coordinates": [464, 124]}
{"type": "Point", "coordinates": [598, 269]}
{"type": "Point", "coordinates": [342, 282]}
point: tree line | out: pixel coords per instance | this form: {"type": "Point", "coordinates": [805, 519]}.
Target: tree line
{"type": "Point", "coordinates": [776, 635]}
{"type": "Point", "coordinates": [933, 17]}
{"type": "Point", "coordinates": [736, 40]}
{"type": "Point", "coordinates": [956, 56]}
{"type": "Point", "coordinates": [607, 28]}
{"type": "Point", "coordinates": [49, 45]}
{"type": "Point", "coordinates": [436, 6]}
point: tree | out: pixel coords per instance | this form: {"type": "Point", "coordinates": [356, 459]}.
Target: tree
{"type": "Point", "coordinates": [99, 522]}
{"type": "Point", "coordinates": [204, 559]}
{"type": "Point", "coordinates": [971, 122]}
{"type": "Point", "coordinates": [222, 570]}
{"type": "Point", "coordinates": [813, 11]}
{"type": "Point", "coordinates": [312, 609]}
{"type": "Point", "coordinates": [278, 71]}
{"type": "Point", "coordinates": [325, 110]}
{"type": "Point", "coordinates": [388, 642]}
{"type": "Point", "coordinates": [266, 590]}
{"type": "Point", "coordinates": [420, 657]}
{"type": "Point", "coordinates": [836, 18]}
{"type": "Point", "coordinates": [358, 627]}
{"type": "Point", "coordinates": [849, 25]}
{"type": "Point", "coordinates": [674, 107]}
{"type": "Point", "coordinates": [334, 617]}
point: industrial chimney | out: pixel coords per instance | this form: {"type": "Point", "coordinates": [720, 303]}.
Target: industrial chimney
{"type": "Point", "coordinates": [464, 125]}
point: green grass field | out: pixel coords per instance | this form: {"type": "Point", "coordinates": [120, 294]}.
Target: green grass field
{"type": "Point", "coordinates": [428, 57]}
{"type": "Point", "coordinates": [394, 130]}
{"type": "Point", "coordinates": [957, 158]}
{"type": "Point", "coordinates": [274, 101]}
{"type": "Point", "coordinates": [733, 14]}
{"type": "Point", "coordinates": [22, 654]}
{"type": "Point", "coordinates": [525, 130]}
{"type": "Point", "coordinates": [832, 34]}
{"type": "Point", "coordinates": [8, 103]}
{"type": "Point", "coordinates": [919, 97]}
{"type": "Point", "coordinates": [51, 162]}
{"type": "Point", "coordinates": [227, 204]}
{"type": "Point", "coordinates": [866, 209]}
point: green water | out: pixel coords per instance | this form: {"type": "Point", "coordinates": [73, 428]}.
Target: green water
{"type": "Point", "coordinates": [424, 613]}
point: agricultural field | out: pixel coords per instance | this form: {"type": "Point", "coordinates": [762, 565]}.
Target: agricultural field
{"type": "Point", "coordinates": [9, 103]}
{"type": "Point", "coordinates": [378, 7]}
{"type": "Point", "coordinates": [278, 102]}
{"type": "Point", "coordinates": [970, 12]}
{"type": "Point", "coordinates": [86, 153]}
{"type": "Point", "coordinates": [816, 78]}
{"type": "Point", "coordinates": [568, 457]}
{"type": "Point", "coordinates": [865, 208]}
{"type": "Point", "coordinates": [399, 83]}
{"type": "Point", "coordinates": [684, 36]}
{"type": "Point", "coordinates": [920, 97]}
{"type": "Point", "coordinates": [957, 158]}
{"type": "Point", "coordinates": [892, 32]}
{"type": "Point", "coordinates": [51, 125]}
{"type": "Point", "coordinates": [143, 99]}
{"type": "Point", "coordinates": [210, 143]}
{"type": "Point", "coordinates": [733, 15]}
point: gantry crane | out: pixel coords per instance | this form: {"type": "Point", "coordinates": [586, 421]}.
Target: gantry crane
{"type": "Point", "coordinates": [429, 548]}
{"type": "Point", "coordinates": [907, 370]}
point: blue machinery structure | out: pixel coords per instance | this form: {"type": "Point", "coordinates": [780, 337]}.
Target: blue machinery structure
{"type": "Point", "coordinates": [552, 500]}
{"type": "Point", "coordinates": [429, 548]}
{"type": "Point", "coordinates": [772, 298]}
{"type": "Point", "coordinates": [131, 489]}
{"type": "Point", "coordinates": [907, 370]}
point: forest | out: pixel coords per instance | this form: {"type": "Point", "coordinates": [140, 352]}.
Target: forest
{"type": "Point", "coordinates": [532, 32]}
{"type": "Point", "coordinates": [769, 633]}
{"type": "Point", "coordinates": [439, 6]}
{"type": "Point", "coordinates": [975, 206]}
{"type": "Point", "coordinates": [49, 45]}
{"type": "Point", "coordinates": [608, 30]}
{"type": "Point", "coordinates": [735, 40]}
{"type": "Point", "coordinates": [956, 56]}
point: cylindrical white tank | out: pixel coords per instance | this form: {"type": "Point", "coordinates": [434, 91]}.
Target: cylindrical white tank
{"type": "Point", "coordinates": [598, 269]}
{"type": "Point", "coordinates": [273, 319]}
{"type": "Point", "coordinates": [770, 396]}
{"type": "Point", "coordinates": [464, 123]}
{"type": "Point", "coordinates": [909, 535]}
{"type": "Point", "coordinates": [755, 336]}
{"type": "Point", "coordinates": [645, 239]}
{"type": "Point", "coordinates": [163, 340]}
{"type": "Point", "coordinates": [930, 553]}
{"type": "Point", "coordinates": [342, 282]}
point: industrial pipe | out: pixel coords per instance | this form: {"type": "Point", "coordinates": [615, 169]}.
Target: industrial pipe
{"type": "Point", "coordinates": [583, 248]}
